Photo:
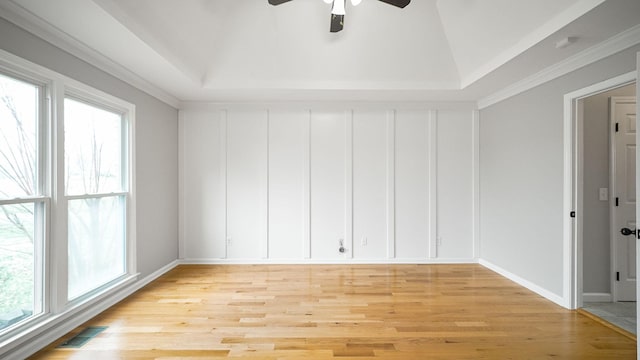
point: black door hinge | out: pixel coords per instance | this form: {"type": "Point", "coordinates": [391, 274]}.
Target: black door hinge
{"type": "Point", "coordinates": [618, 276]}
{"type": "Point", "coordinates": [617, 201]}
{"type": "Point", "coordinates": [572, 214]}
{"type": "Point", "coordinates": [617, 127]}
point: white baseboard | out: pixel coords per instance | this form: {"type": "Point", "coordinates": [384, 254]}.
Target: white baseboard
{"type": "Point", "coordinates": [597, 297]}
{"type": "Point", "coordinates": [527, 284]}
{"type": "Point", "coordinates": [346, 261]}
{"type": "Point", "coordinates": [43, 335]}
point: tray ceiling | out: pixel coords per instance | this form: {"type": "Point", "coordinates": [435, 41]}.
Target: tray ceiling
{"type": "Point", "coordinates": [230, 50]}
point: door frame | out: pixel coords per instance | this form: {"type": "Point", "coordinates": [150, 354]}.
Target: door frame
{"type": "Point", "coordinates": [573, 185]}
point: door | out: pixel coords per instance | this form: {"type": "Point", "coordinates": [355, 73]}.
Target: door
{"type": "Point", "coordinates": [623, 118]}
{"type": "Point", "coordinates": [637, 185]}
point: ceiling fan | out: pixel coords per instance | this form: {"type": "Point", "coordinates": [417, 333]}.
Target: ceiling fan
{"type": "Point", "coordinates": [338, 9]}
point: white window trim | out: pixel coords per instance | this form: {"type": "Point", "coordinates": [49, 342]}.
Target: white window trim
{"type": "Point", "coordinates": [56, 307]}
{"type": "Point", "coordinates": [81, 92]}
{"type": "Point", "coordinates": [40, 255]}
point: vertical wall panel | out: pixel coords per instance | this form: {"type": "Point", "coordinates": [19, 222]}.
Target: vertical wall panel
{"type": "Point", "coordinates": [412, 185]}
{"type": "Point", "coordinates": [287, 135]}
{"type": "Point", "coordinates": [391, 184]}
{"type": "Point", "coordinates": [370, 184]}
{"type": "Point", "coordinates": [433, 183]}
{"type": "Point", "coordinates": [348, 184]}
{"type": "Point", "coordinates": [455, 185]}
{"type": "Point", "coordinates": [246, 184]}
{"type": "Point", "coordinates": [327, 183]}
{"type": "Point", "coordinates": [475, 208]}
{"type": "Point", "coordinates": [306, 185]}
{"type": "Point", "coordinates": [204, 185]}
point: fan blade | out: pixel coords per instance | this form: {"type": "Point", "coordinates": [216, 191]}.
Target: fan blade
{"type": "Point", "coordinates": [278, 2]}
{"type": "Point", "coordinates": [337, 22]}
{"type": "Point", "coordinates": [398, 3]}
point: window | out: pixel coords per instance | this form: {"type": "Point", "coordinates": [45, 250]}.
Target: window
{"type": "Point", "coordinates": [67, 206]}
{"type": "Point", "coordinates": [23, 202]}
{"type": "Point", "coordinates": [96, 193]}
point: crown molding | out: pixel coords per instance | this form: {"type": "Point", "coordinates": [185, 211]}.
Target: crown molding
{"type": "Point", "coordinates": [210, 106]}
{"type": "Point", "coordinates": [613, 45]}
{"type": "Point", "coordinates": [533, 38]}
{"type": "Point", "coordinates": [49, 33]}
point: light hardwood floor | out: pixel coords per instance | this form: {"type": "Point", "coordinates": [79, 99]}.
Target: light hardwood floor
{"type": "Point", "coordinates": [334, 311]}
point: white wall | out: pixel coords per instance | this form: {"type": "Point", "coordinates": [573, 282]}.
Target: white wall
{"type": "Point", "coordinates": [205, 193]}
{"type": "Point", "coordinates": [521, 177]}
{"type": "Point", "coordinates": [287, 184]}
{"type": "Point", "coordinates": [246, 184]}
{"type": "Point", "coordinates": [454, 210]}
{"type": "Point", "coordinates": [413, 184]}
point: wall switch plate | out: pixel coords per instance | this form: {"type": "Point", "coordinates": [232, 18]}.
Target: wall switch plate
{"type": "Point", "coordinates": [603, 194]}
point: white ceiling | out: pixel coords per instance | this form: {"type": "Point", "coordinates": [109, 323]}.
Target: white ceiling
{"type": "Point", "coordinates": [248, 50]}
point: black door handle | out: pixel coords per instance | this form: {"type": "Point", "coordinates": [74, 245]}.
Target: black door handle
{"type": "Point", "coordinates": [627, 231]}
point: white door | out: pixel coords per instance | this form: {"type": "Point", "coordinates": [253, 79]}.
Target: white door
{"type": "Point", "coordinates": [637, 186]}
{"type": "Point", "coordinates": [623, 130]}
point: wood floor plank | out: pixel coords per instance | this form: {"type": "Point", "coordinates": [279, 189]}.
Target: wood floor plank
{"type": "Point", "coordinates": [342, 312]}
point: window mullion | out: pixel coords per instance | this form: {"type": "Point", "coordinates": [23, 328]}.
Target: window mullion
{"type": "Point", "coordinates": [43, 210]}
{"type": "Point", "coordinates": [58, 244]}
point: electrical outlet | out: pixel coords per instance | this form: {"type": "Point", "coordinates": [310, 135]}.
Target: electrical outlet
{"type": "Point", "coordinates": [603, 194]}
{"type": "Point", "coordinates": [363, 241]}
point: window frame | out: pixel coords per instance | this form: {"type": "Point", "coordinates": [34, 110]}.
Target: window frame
{"type": "Point", "coordinates": [83, 93]}
{"type": "Point", "coordinates": [41, 201]}
{"type": "Point", "coordinates": [124, 111]}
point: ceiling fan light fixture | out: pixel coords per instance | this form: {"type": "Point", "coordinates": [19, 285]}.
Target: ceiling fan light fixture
{"type": "Point", "coordinates": [338, 7]}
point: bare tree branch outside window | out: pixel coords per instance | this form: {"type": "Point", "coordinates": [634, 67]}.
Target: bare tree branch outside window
{"type": "Point", "coordinates": [17, 158]}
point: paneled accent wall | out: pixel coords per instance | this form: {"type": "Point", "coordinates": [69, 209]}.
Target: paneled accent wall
{"type": "Point", "coordinates": [294, 185]}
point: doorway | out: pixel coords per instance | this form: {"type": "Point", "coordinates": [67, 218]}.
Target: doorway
{"type": "Point", "coordinates": [606, 140]}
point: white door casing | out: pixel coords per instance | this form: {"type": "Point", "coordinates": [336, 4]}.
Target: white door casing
{"type": "Point", "coordinates": [572, 204]}
{"type": "Point", "coordinates": [623, 204]}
